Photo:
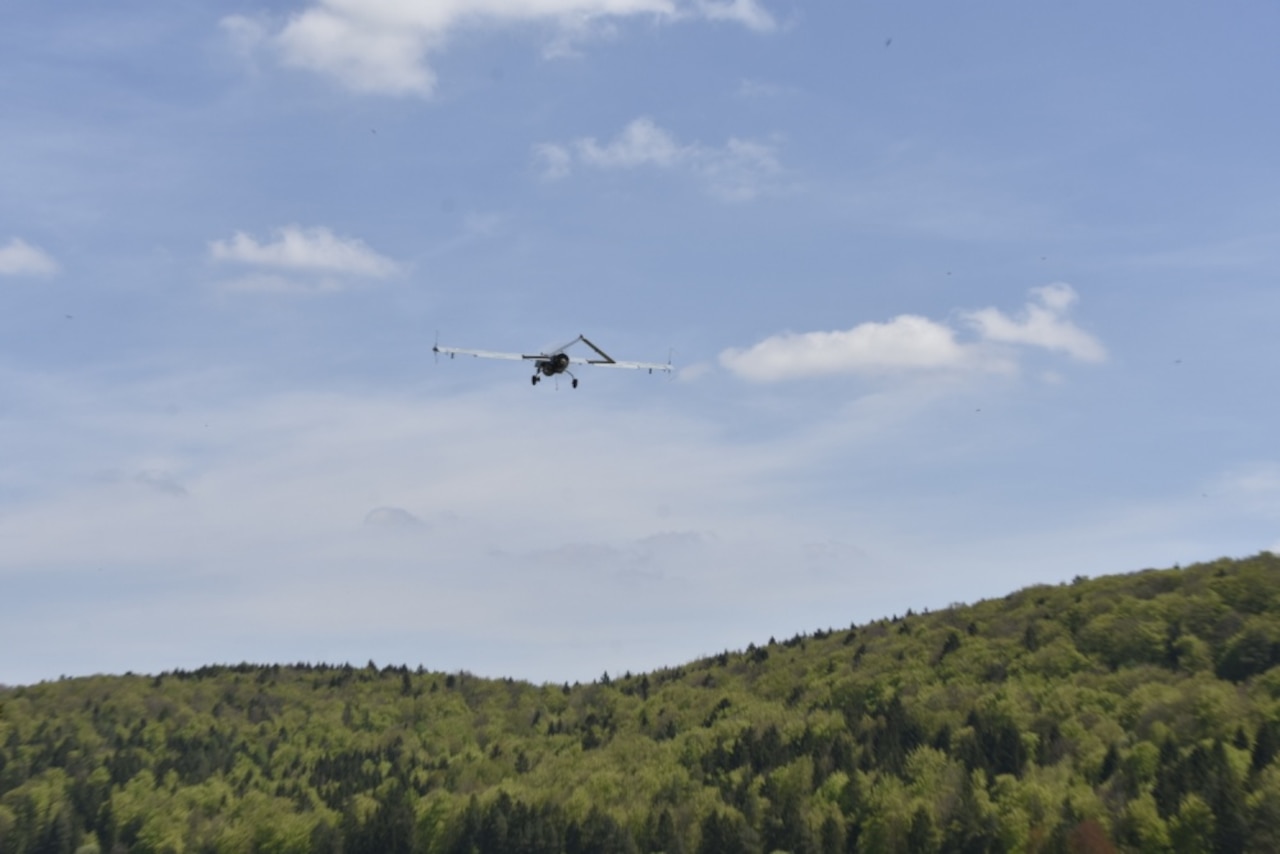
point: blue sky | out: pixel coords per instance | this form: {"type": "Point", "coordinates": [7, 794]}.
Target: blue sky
{"type": "Point", "coordinates": [962, 298]}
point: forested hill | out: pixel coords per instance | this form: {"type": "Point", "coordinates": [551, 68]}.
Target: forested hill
{"type": "Point", "coordinates": [1134, 712]}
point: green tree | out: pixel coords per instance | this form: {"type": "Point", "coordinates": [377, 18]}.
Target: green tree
{"type": "Point", "coordinates": [922, 838]}
{"type": "Point", "coordinates": [1266, 744]}
{"type": "Point", "coordinates": [1192, 830]}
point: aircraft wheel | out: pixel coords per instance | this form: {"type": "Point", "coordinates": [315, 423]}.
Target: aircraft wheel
{"type": "Point", "coordinates": [575, 383]}
{"type": "Point", "coordinates": [535, 379]}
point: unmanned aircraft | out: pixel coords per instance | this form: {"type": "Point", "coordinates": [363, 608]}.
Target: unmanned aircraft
{"type": "Point", "coordinates": [557, 361]}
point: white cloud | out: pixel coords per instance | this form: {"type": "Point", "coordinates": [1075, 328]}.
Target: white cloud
{"type": "Point", "coordinates": [20, 258]}
{"type": "Point", "coordinates": [245, 33]}
{"type": "Point", "coordinates": [641, 143]}
{"type": "Point", "coordinates": [738, 171]}
{"type": "Point", "coordinates": [556, 160]}
{"type": "Point", "coordinates": [906, 342]}
{"type": "Point", "coordinates": [572, 34]}
{"type": "Point", "coordinates": [913, 343]}
{"type": "Point", "coordinates": [1041, 324]}
{"type": "Point", "coordinates": [693, 372]}
{"type": "Point", "coordinates": [746, 12]}
{"type": "Point", "coordinates": [366, 54]}
{"type": "Point", "coordinates": [384, 46]}
{"type": "Point", "coordinates": [300, 250]}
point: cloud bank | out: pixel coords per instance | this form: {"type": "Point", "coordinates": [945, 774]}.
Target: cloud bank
{"type": "Point", "coordinates": [912, 343]}
{"type": "Point", "coordinates": [384, 46]}
{"type": "Point", "coordinates": [300, 250]}
{"type": "Point", "coordinates": [19, 258]}
{"type": "Point", "coordinates": [737, 171]}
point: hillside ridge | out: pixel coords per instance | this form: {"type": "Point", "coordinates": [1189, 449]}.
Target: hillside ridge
{"type": "Point", "coordinates": [1126, 712]}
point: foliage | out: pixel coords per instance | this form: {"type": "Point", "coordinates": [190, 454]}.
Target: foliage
{"type": "Point", "coordinates": [1127, 713]}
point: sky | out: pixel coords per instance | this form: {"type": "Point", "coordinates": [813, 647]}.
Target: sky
{"type": "Point", "coordinates": [960, 298]}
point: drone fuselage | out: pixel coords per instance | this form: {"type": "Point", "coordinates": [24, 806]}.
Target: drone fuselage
{"type": "Point", "coordinates": [557, 364]}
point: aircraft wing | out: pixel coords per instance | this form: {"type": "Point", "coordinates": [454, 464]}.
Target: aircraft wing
{"type": "Point", "coordinates": [482, 354]}
{"type": "Point", "coordinates": [607, 361]}
{"type": "Point", "coordinates": [611, 363]}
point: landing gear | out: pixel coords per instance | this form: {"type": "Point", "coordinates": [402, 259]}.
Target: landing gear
{"type": "Point", "coordinates": [537, 378]}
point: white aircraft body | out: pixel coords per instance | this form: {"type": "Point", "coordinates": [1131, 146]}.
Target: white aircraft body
{"type": "Point", "coordinates": [557, 361]}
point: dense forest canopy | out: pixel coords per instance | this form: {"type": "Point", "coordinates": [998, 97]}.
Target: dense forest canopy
{"type": "Point", "coordinates": [1127, 713]}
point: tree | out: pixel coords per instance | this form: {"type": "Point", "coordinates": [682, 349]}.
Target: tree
{"type": "Point", "coordinates": [922, 838]}
{"type": "Point", "coordinates": [1253, 650]}
{"type": "Point", "coordinates": [970, 828]}
{"type": "Point", "coordinates": [897, 735]}
{"type": "Point", "coordinates": [1191, 831]}
{"type": "Point", "coordinates": [831, 836]}
{"type": "Point", "coordinates": [1266, 745]}
{"type": "Point", "coordinates": [783, 827]}
{"type": "Point", "coordinates": [997, 744]}
{"type": "Point", "coordinates": [724, 834]}
{"type": "Point", "coordinates": [598, 832]}
{"type": "Point", "coordinates": [1089, 837]}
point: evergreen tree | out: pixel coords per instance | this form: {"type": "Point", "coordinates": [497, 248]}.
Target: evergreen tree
{"type": "Point", "coordinates": [1226, 799]}
{"type": "Point", "coordinates": [1192, 830]}
{"type": "Point", "coordinates": [832, 836]}
{"type": "Point", "coordinates": [922, 838]}
{"type": "Point", "coordinates": [725, 834]}
{"type": "Point", "coordinates": [1266, 744]}
{"type": "Point", "coordinates": [664, 836]}
{"type": "Point", "coordinates": [1169, 787]}
{"type": "Point", "coordinates": [784, 828]}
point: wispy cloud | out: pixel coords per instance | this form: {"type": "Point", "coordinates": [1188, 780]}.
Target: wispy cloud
{"type": "Point", "coordinates": [244, 34]}
{"type": "Point", "coordinates": [1252, 487]}
{"type": "Point", "coordinates": [396, 518]}
{"type": "Point", "coordinates": [385, 47]}
{"type": "Point", "coordinates": [300, 250]}
{"type": "Point", "coordinates": [748, 13]}
{"type": "Point", "coordinates": [641, 143]}
{"type": "Point", "coordinates": [349, 499]}
{"type": "Point", "coordinates": [913, 343]}
{"type": "Point", "coordinates": [297, 248]}
{"type": "Point", "coordinates": [737, 171]}
{"type": "Point", "coordinates": [1042, 323]}
{"type": "Point", "coordinates": [556, 161]}
{"type": "Point", "coordinates": [19, 258]}
{"type": "Point", "coordinates": [310, 462]}
{"type": "Point", "coordinates": [1243, 253]}
{"type": "Point", "coordinates": [161, 481]}
{"type": "Point", "coordinates": [364, 505]}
